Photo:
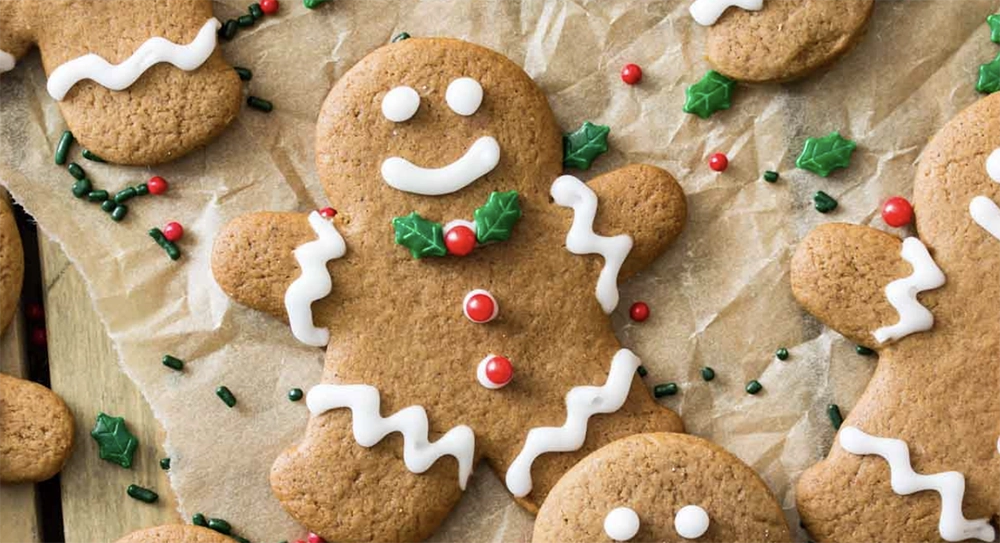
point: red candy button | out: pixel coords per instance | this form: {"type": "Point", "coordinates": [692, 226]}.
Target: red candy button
{"type": "Point", "coordinates": [459, 237]}
{"type": "Point", "coordinates": [639, 311]}
{"type": "Point", "coordinates": [479, 306]}
{"type": "Point", "coordinates": [313, 538]}
{"type": "Point", "coordinates": [494, 372]}
{"type": "Point", "coordinates": [328, 213]}
{"type": "Point", "coordinates": [631, 74]}
{"type": "Point", "coordinates": [718, 162]}
{"type": "Point", "coordinates": [897, 212]}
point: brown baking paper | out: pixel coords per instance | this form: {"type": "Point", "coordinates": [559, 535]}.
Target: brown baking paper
{"type": "Point", "coordinates": [720, 297]}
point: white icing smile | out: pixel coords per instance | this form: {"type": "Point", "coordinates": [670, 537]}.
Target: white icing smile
{"type": "Point", "coordinates": [479, 160]}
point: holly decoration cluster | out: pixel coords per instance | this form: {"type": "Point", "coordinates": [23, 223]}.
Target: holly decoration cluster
{"type": "Point", "coordinates": [494, 222]}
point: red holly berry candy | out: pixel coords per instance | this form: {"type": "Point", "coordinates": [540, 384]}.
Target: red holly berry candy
{"type": "Point", "coordinates": [173, 231]}
{"type": "Point", "coordinates": [480, 306]}
{"type": "Point", "coordinates": [499, 371]}
{"type": "Point", "coordinates": [157, 185]}
{"type": "Point", "coordinates": [313, 538]}
{"type": "Point", "coordinates": [38, 337]}
{"type": "Point", "coordinates": [718, 162]}
{"type": "Point", "coordinates": [269, 7]}
{"type": "Point", "coordinates": [631, 74]}
{"type": "Point", "coordinates": [460, 240]}
{"type": "Point", "coordinates": [34, 312]}
{"type": "Point", "coordinates": [897, 212]}
{"type": "Point", "coordinates": [639, 311]}
{"type": "Point", "coordinates": [328, 213]}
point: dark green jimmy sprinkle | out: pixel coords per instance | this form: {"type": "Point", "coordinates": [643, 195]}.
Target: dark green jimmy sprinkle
{"type": "Point", "coordinates": [823, 202]}
{"type": "Point", "coordinates": [753, 387]}
{"type": "Point", "coordinates": [641, 370]}
{"type": "Point", "coordinates": [256, 11]}
{"type": "Point", "coordinates": [199, 520]}
{"type": "Point", "coordinates": [219, 525]}
{"type": "Point", "coordinates": [771, 176]}
{"type": "Point", "coordinates": [863, 351]}
{"type": "Point", "coordinates": [313, 4]}
{"type": "Point", "coordinates": [76, 171]}
{"type": "Point", "coordinates": [142, 190]}
{"type": "Point", "coordinates": [229, 29]}
{"type": "Point", "coordinates": [226, 396]}
{"type": "Point", "coordinates": [119, 212]}
{"type": "Point", "coordinates": [125, 195]}
{"type": "Point", "coordinates": [165, 463]}
{"type": "Point", "coordinates": [295, 394]}
{"type": "Point", "coordinates": [87, 154]}
{"type": "Point", "coordinates": [97, 195]}
{"type": "Point", "coordinates": [245, 20]}
{"type": "Point", "coordinates": [240, 539]}
{"type": "Point", "coordinates": [781, 353]}
{"type": "Point", "coordinates": [244, 73]}
{"type": "Point", "coordinates": [400, 37]}
{"type": "Point", "coordinates": [82, 187]}
{"type": "Point", "coordinates": [833, 411]}
{"type": "Point", "coordinates": [260, 104]}
{"type": "Point", "coordinates": [172, 251]}
{"type": "Point", "coordinates": [707, 373]}
{"type": "Point", "coordinates": [668, 389]}
{"type": "Point", "coordinates": [108, 206]}
{"type": "Point", "coordinates": [173, 363]}
{"type": "Point", "coordinates": [62, 148]}
{"type": "Point", "coordinates": [142, 494]}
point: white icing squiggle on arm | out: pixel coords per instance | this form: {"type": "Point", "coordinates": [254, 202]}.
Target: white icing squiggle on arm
{"type": "Point", "coordinates": [7, 61]}
{"type": "Point", "coordinates": [582, 403]}
{"type": "Point", "coordinates": [314, 283]}
{"type": "Point", "coordinates": [369, 427]}
{"type": "Point", "coordinates": [568, 191]}
{"type": "Point", "coordinates": [902, 293]}
{"type": "Point", "coordinates": [952, 525]}
{"type": "Point", "coordinates": [707, 12]}
{"type": "Point", "coordinates": [986, 213]}
{"type": "Point", "coordinates": [122, 76]}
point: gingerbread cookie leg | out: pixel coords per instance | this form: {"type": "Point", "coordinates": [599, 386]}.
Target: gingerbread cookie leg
{"type": "Point", "coordinates": [36, 431]}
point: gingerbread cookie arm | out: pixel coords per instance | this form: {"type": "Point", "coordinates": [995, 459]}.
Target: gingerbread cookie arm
{"type": "Point", "coordinates": [644, 202]}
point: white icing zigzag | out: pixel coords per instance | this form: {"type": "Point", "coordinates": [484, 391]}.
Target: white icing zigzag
{"type": "Point", "coordinates": [122, 76]}
{"type": "Point", "coordinates": [902, 293]}
{"type": "Point", "coordinates": [952, 525]}
{"type": "Point", "coordinates": [582, 403]}
{"type": "Point", "coordinates": [314, 283]}
{"type": "Point", "coordinates": [707, 12]}
{"type": "Point", "coordinates": [369, 427]}
{"type": "Point", "coordinates": [568, 191]}
{"type": "Point", "coordinates": [986, 214]}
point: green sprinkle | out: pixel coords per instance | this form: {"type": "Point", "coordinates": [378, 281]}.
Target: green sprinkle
{"type": "Point", "coordinates": [707, 373]}
{"type": "Point", "coordinates": [781, 353]}
{"type": "Point", "coordinates": [313, 4]}
{"type": "Point", "coordinates": [994, 22]}
{"type": "Point", "coordinates": [240, 539]}
{"type": "Point", "coordinates": [115, 443]}
{"type": "Point", "coordinates": [295, 394]}
{"type": "Point", "coordinates": [641, 370]}
{"type": "Point", "coordinates": [989, 77]}
{"type": "Point", "coordinates": [87, 154]}
{"type": "Point", "coordinates": [668, 389]}
{"type": "Point", "coordinates": [142, 190]}
{"type": "Point", "coordinates": [585, 144]}
{"type": "Point", "coordinates": [713, 93]}
{"type": "Point", "coordinates": [173, 363]}
{"type": "Point", "coordinates": [260, 104]}
{"type": "Point", "coordinates": [753, 387]}
{"type": "Point", "coordinates": [165, 463]}
{"type": "Point", "coordinates": [229, 29]}
{"type": "Point", "coordinates": [219, 525]}
{"type": "Point", "coordinates": [256, 11]}
{"type": "Point", "coordinates": [244, 73]}
{"type": "Point", "coordinates": [226, 396]}
{"type": "Point", "coordinates": [245, 20]}
{"type": "Point", "coordinates": [823, 155]}
{"type": "Point", "coordinates": [863, 351]}
{"type": "Point", "coordinates": [76, 171]}
{"type": "Point", "coordinates": [142, 494]}
{"type": "Point", "coordinates": [172, 251]}
{"type": "Point", "coordinates": [771, 176]}
{"type": "Point", "coordinates": [82, 187]}
{"type": "Point", "coordinates": [400, 37]}
{"type": "Point", "coordinates": [823, 202]}
{"type": "Point", "coordinates": [119, 212]}
{"type": "Point", "coordinates": [833, 411]}
{"type": "Point", "coordinates": [97, 195]}
{"type": "Point", "coordinates": [125, 195]}
{"type": "Point", "coordinates": [108, 206]}
{"type": "Point", "coordinates": [62, 148]}
{"type": "Point", "coordinates": [199, 520]}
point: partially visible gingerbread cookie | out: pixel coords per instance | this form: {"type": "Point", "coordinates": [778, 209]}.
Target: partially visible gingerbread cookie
{"type": "Point", "coordinates": [36, 431]}
{"type": "Point", "coordinates": [138, 82]}
{"type": "Point", "coordinates": [660, 487]}
{"type": "Point", "coordinates": [759, 41]}
{"type": "Point", "coordinates": [11, 264]}
{"type": "Point", "coordinates": [176, 533]}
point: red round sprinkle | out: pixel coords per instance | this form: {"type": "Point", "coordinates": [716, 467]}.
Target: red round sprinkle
{"type": "Point", "coordinates": [460, 240]}
{"type": "Point", "coordinates": [38, 337]}
{"type": "Point", "coordinates": [631, 74]}
{"type": "Point", "coordinates": [718, 162]}
{"type": "Point", "coordinates": [328, 213]}
{"type": "Point", "coordinates": [157, 185]}
{"type": "Point", "coordinates": [639, 311]}
{"type": "Point", "coordinates": [34, 311]}
{"type": "Point", "coordinates": [480, 307]}
{"type": "Point", "coordinates": [897, 212]}
{"type": "Point", "coordinates": [269, 7]}
{"type": "Point", "coordinates": [499, 370]}
{"type": "Point", "coordinates": [313, 538]}
{"type": "Point", "coordinates": [173, 231]}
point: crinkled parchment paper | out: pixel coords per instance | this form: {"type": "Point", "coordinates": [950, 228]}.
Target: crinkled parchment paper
{"type": "Point", "coordinates": [720, 297]}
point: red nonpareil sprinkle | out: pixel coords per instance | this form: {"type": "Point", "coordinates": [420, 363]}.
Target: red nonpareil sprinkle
{"type": "Point", "coordinates": [328, 213]}
{"type": "Point", "coordinates": [718, 162]}
{"type": "Point", "coordinates": [173, 231]}
{"type": "Point", "coordinates": [460, 240]}
{"type": "Point", "coordinates": [157, 185]}
{"type": "Point", "coordinates": [34, 311]}
{"type": "Point", "coordinates": [631, 74]}
{"type": "Point", "coordinates": [38, 337]}
{"type": "Point", "coordinates": [269, 7]}
{"type": "Point", "coordinates": [897, 212]}
{"type": "Point", "coordinates": [313, 538]}
{"type": "Point", "coordinates": [639, 311]}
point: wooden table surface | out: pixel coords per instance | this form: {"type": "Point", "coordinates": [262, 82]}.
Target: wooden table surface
{"type": "Point", "coordinates": [83, 369]}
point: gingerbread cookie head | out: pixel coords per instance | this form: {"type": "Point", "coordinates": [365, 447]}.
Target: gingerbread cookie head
{"type": "Point", "coordinates": [761, 41]}
{"type": "Point", "coordinates": [140, 83]}
{"type": "Point", "coordinates": [660, 487]}
{"type": "Point", "coordinates": [918, 458]}
{"type": "Point", "coordinates": [462, 288]}
{"type": "Point", "coordinates": [11, 264]}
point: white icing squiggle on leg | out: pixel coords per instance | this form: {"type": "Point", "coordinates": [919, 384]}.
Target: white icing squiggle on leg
{"type": "Point", "coordinates": [369, 427]}
{"type": "Point", "coordinates": [952, 525]}
{"type": "Point", "coordinates": [122, 76]}
{"type": "Point", "coordinates": [582, 402]}
{"type": "Point", "coordinates": [902, 293]}
{"type": "Point", "coordinates": [569, 191]}
{"type": "Point", "coordinates": [314, 283]}
{"type": "Point", "coordinates": [986, 213]}
{"type": "Point", "coordinates": [7, 61]}
{"type": "Point", "coordinates": [707, 12]}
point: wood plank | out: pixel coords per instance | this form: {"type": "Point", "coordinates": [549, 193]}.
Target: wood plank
{"type": "Point", "coordinates": [84, 370]}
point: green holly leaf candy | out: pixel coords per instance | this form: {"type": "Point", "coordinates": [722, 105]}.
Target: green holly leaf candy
{"type": "Point", "coordinates": [994, 22]}
{"type": "Point", "coordinates": [116, 444]}
{"type": "Point", "coordinates": [496, 219]}
{"type": "Point", "coordinates": [580, 148]}
{"type": "Point", "coordinates": [711, 94]}
{"type": "Point", "coordinates": [823, 155]}
{"type": "Point", "coordinates": [420, 236]}
{"type": "Point", "coordinates": [989, 77]}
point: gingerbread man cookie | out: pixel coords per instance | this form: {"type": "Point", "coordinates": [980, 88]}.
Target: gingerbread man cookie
{"type": "Point", "coordinates": [140, 83]}
{"type": "Point", "coordinates": [462, 290]}
{"type": "Point", "coordinates": [660, 487]}
{"type": "Point", "coordinates": [11, 264]}
{"type": "Point", "coordinates": [760, 41]}
{"type": "Point", "coordinates": [918, 458]}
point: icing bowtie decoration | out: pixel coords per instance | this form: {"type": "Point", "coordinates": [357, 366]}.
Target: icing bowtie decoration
{"type": "Point", "coordinates": [493, 222]}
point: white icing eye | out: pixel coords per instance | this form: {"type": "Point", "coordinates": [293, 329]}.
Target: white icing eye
{"type": "Point", "coordinates": [464, 96]}
{"type": "Point", "coordinates": [691, 522]}
{"type": "Point", "coordinates": [400, 104]}
{"type": "Point", "coordinates": [621, 524]}
{"type": "Point", "coordinates": [993, 165]}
